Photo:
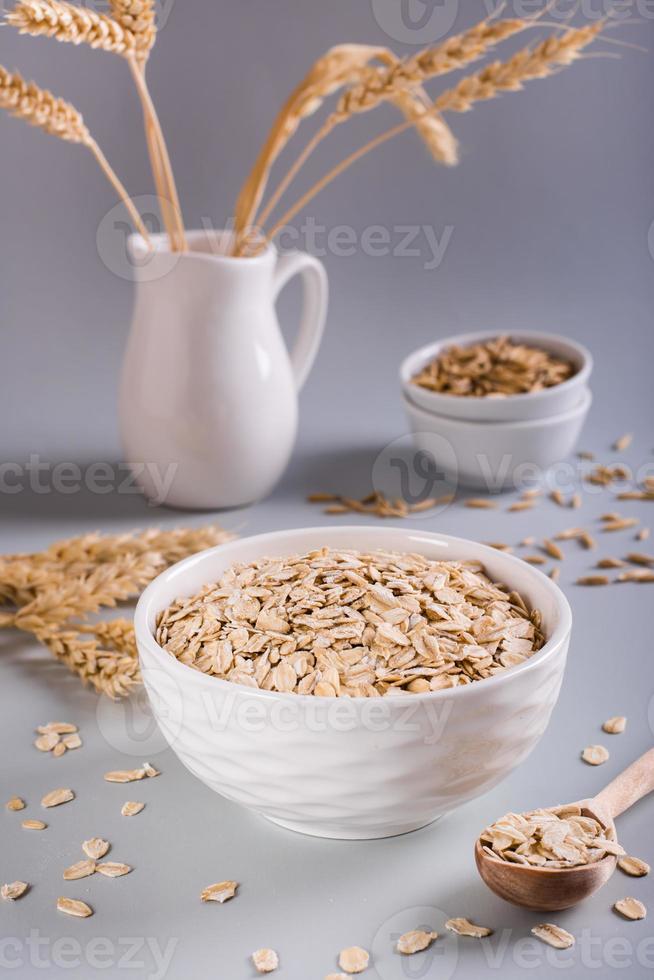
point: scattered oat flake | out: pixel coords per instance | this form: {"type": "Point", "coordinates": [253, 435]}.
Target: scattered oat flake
{"type": "Point", "coordinates": [354, 959]}
{"type": "Point", "coordinates": [553, 935]}
{"type": "Point", "coordinates": [615, 725]}
{"type": "Point", "coordinates": [522, 505]}
{"type": "Point", "coordinates": [95, 847]}
{"type": "Point", "coordinates": [415, 942]}
{"type": "Point", "coordinates": [113, 869]}
{"type": "Point", "coordinates": [14, 890]}
{"type": "Point", "coordinates": [15, 803]}
{"type": "Point", "coordinates": [643, 534]}
{"type": "Point", "coordinates": [463, 927]}
{"type": "Point", "coordinates": [480, 503]}
{"type": "Point", "coordinates": [57, 796]}
{"type": "Point", "coordinates": [124, 775]}
{"type": "Point", "coordinates": [610, 563]}
{"type": "Point", "coordinates": [630, 908]}
{"type": "Point", "coordinates": [58, 727]}
{"type": "Point", "coordinates": [59, 750]}
{"type": "Point", "coordinates": [633, 866]}
{"type": "Point", "coordinates": [131, 807]}
{"type": "Point", "coordinates": [623, 442]}
{"type": "Point", "coordinates": [33, 825]}
{"type": "Point", "coordinates": [221, 892]}
{"type": "Point", "coordinates": [47, 742]}
{"type": "Point", "coordinates": [575, 501]}
{"type": "Point", "coordinates": [265, 960]}
{"type": "Point", "coordinates": [594, 580]}
{"type": "Point", "coordinates": [150, 771]}
{"type": "Point", "coordinates": [73, 906]}
{"type": "Point", "coordinates": [72, 741]}
{"type": "Point", "coordinates": [595, 755]}
{"type": "Point", "coordinates": [83, 869]}
{"type": "Point", "coordinates": [555, 574]}
{"type": "Point", "coordinates": [336, 976]}
{"type": "Point", "coordinates": [558, 498]}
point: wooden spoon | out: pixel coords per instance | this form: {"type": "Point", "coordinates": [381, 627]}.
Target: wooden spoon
{"type": "Point", "coordinates": [548, 889]}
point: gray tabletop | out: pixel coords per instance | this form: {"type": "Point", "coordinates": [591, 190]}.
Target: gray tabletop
{"type": "Point", "coordinates": [309, 898]}
{"type": "Point", "coordinates": [544, 226]}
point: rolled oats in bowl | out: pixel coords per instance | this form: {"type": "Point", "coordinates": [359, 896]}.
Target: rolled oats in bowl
{"type": "Point", "coordinates": [336, 623]}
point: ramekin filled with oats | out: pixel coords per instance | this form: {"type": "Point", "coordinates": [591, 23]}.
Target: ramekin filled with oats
{"type": "Point", "coordinates": [497, 377]}
{"type": "Point", "coordinates": [352, 682]}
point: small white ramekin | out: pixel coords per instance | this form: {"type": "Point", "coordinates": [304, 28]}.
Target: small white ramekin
{"type": "Point", "coordinates": [492, 456]}
{"type": "Point", "coordinates": [550, 401]}
{"type": "Point", "coordinates": [352, 768]}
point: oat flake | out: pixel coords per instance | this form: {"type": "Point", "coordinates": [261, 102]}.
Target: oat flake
{"type": "Point", "coordinates": [80, 870]}
{"type": "Point", "coordinates": [221, 892]}
{"type": "Point", "coordinates": [95, 847]}
{"type": "Point", "coordinates": [57, 797]}
{"type": "Point", "coordinates": [615, 725]}
{"type": "Point", "coordinates": [414, 942]}
{"type": "Point", "coordinates": [463, 927]}
{"type": "Point", "coordinates": [265, 960]}
{"type": "Point", "coordinates": [72, 906]}
{"type": "Point", "coordinates": [595, 755]}
{"type": "Point", "coordinates": [630, 908]}
{"type": "Point", "coordinates": [14, 890]}
{"type": "Point", "coordinates": [633, 866]}
{"type": "Point", "coordinates": [131, 807]}
{"type": "Point", "coordinates": [354, 959]}
{"type": "Point", "coordinates": [553, 935]}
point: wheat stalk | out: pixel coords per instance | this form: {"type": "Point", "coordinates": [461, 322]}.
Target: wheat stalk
{"type": "Point", "coordinates": [48, 592]}
{"type": "Point", "coordinates": [340, 66]}
{"type": "Point", "coordinates": [530, 63]}
{"type": "Point", "coordinates": [401, 82]}
{"type": "Point", "coordinates": [39, 107]}
{"type": "Point", "coordinates": [131, 34]}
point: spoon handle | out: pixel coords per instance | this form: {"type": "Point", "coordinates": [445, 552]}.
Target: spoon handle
{"type": "Point", "coordinates": [626, 789]}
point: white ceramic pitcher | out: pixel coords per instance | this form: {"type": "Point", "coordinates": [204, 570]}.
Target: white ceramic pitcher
{"type": "Point", "coordinates": [208, 399]}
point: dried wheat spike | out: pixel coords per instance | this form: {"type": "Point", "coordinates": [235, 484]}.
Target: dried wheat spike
{"type": "Point", "coordinates": [41, 108]}
{"type": "Point", "coordinates": [510, 76]}
{"type": "Point", "coordinates": [67, 22]}
{"type": "Point", "coordinates": [139, 18]}
{"type": "Point", "coordinates": [454, 53]}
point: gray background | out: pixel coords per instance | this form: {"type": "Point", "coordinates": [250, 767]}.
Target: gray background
{"type": "Point", "coordinates": [551, 208]}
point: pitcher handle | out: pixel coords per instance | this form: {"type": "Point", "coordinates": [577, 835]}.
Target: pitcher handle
{"type": "Point", "coordinates": [314, 308]}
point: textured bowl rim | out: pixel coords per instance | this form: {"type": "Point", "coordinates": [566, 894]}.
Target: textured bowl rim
{"type": "Point", "coordinates": [509, 425]}
{"type": "Point", "coordinates": [423, 355]}
{"type": "Point", "coordinates": [561, 631]}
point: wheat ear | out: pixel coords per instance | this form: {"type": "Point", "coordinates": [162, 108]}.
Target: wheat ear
{"type": "Point", "coordinates": [340, 66]}
{"type": "Point", "coordinates": [530, 63]}
{"type": "Point", "coordinates": [41, 108]}
{"type": "Point", "coordinates": [138, 17]}
{"type": "Point", "coordinates": [127, 35]}
{"type": "Point", "coordinates": [400, 82]}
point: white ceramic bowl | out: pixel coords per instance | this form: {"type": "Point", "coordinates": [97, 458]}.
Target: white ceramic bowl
{"type": "Point", "coordinates": [352, 768]}
{"type": "Point", "coordinates": [492, 456]}
{"type": "Point", "coordinates": [513, 408]}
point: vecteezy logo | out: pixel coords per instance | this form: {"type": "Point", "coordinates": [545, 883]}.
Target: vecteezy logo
{"type": "Point", "coordinates": [416, 468]}
{"type": "Point", "coordinates": [118, 250]}
{"type": "Point", "coordinates": [415, 21]}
